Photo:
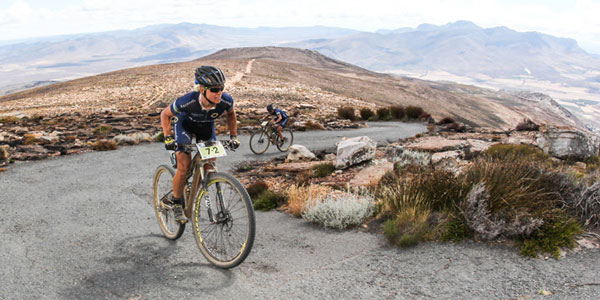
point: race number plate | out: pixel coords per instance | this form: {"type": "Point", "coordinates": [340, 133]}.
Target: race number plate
{"type": "Point", "coordinates": [264, 123]}
{"type": "Point", "coordinates": [212, 151]}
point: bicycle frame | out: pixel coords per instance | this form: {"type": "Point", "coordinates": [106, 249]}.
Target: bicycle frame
{"type": "Point", "coordinates": [196, 173]}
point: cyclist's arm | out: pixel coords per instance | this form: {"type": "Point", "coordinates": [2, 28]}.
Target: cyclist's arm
{"type": "Point", "coordinates": [232, 122]}
{"type": "Point", "coordinates": [165, 120]}
{"type": "Point", "coordinates": [279, 118]}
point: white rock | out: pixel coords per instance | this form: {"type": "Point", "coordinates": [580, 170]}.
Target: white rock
{"type": "Point", "coordinates": [354, 150]}
{"type": "Point", "coordinates": [299, 152]}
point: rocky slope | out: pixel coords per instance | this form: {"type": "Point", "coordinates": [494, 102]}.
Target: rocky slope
{"type": "Point", "coordinates": [305, 83]}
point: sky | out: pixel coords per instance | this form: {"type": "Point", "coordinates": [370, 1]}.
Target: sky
{"type": "Point", "coordinates": [576, 19]}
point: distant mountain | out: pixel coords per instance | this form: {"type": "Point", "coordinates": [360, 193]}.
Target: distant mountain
{"type": "Point", "coordinates": [288, 77]}
{"type": "Point", "coordinates": [465, 49]}
{"type": "Point", "coordinates": [462, 52]}
{"type": "Point", "coordinates": [73, 56]}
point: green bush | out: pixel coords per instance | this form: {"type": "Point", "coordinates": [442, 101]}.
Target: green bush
{"type": "Point", "coordinates": [455, 230]}
{"type": "Point", "coordinates": [509, 152]}
{"type": "Point", "coordinates": [269, 200]}
{"type": "Point", "coordinates": [397, 112]}
{"type": "Point", "coordinates": [366, 113]}
{"type": "Point", "coordinates": [383, 114]}
{"type": "Point", "coordinates": [322, 170]}
{"type": "Point", "coordinates": [256, 188]}
{"type": "Point", "coordinates": [554, 234]}
{"type": "Point", "coordinates": [413, 112]}
{"type": "Point", "coordinates": [346, 112]}
{"type": "Point", "coordinates": [408, 228]}
{"type": "Point", "coordinates": [514, 186]}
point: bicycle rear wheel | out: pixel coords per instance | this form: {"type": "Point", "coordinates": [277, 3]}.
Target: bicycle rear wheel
{"type": "Point", "coordinates": [226, 240]}
{"type": "Point", "coordinates": [259, 142]}
{"type": "Point", "coordinates": [288, 140]}
{"type": "Point", "coordinates": [163, 189]}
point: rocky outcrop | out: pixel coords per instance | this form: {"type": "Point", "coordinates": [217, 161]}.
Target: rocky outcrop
{"type": "Point", "coordinates": [354, 150]}
{"type": "Point", "coordinates": [567, 144]}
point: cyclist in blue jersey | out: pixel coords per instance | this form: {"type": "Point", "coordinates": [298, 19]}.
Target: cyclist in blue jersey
{"type": "Point", "coordinates": [194, 114]}
{"type": "Point", "coordinates": [280, 120]}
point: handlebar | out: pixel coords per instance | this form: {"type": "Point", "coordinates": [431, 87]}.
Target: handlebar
{"type": "Point", "coordinates": [190, 148]}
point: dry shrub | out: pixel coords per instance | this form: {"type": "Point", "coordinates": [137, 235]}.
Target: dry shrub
{"type": "Point", "coordinates": [4, 152]}
{"type": "Point", "coordinates": [300, 196]}
{"type": "Point", "coordinates": [413, 112]}
{"type": "Point", "coordinates": [397, 112]}
{"type": "Point", "coordinates": [341, 209]}
{"type": "Point", "coordinates": [9, 120]}
{"type": "Point", "coordinates": [383, 114]}
{"type": "Point", "coordinates": [447, 120]}
{"type": "Point", "coordinates": [103, 130]}
{"type": "Point", "coordinates": [346, 112]}
{"type": "Point", "coordinates": [366, 113]}
{"type": "Point", "coordinates": [104, 145]}
{"type": "Point", "coordinates": [527, 125]}
{"type": "Point", "coordinates": [509, 152]}
{"type": "Point", "coordinates": [322, 170]}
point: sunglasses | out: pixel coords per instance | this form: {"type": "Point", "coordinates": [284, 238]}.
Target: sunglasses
{"type": "Point", "coordinates": [216, 89]}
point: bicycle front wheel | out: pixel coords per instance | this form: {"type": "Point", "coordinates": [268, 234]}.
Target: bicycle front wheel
{"type": "Point", "coordinates": [288, 140]}
{"type": "Point", "coordinates": [163, 189]}
{"type": "Point", "coordinates": [226, 238]}
{"type": "Point", "coordinates": [259, 142]}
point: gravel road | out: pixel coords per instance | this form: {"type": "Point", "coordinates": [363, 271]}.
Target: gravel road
{"type": "Point", "coordinates": [81, 227]}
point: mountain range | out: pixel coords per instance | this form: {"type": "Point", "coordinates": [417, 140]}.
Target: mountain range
{"type": "Point", "coordinates": [497, 58]}
{"type": "Point", "coordinates": [307, 84]}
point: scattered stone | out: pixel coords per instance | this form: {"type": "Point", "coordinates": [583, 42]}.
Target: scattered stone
{"type": "Point", "coordinates": [299, 153]}
{"type": "Point", "coordinates": [354, 150]}
{"type": "Point", "coordinates": [371, 174]}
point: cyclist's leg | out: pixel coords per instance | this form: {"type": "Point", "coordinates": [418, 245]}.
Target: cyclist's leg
{"type": "Point", "coordinates": [184, 160]}
{"type": "Point", "coordinates": [280, 127]}
{"type": "Point", "coordinates": [207, 132]}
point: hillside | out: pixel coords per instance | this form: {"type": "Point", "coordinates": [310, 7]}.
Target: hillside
{"type": "Point", "coordinates": [287, 77]}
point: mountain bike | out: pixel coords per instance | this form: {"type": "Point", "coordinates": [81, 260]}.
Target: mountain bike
{"type": "Point", "coordinates": [217, 204]}
{"type": "Point", "coordinates": [267, 134]}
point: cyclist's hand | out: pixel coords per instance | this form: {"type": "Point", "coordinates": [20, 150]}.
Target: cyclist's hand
{"type": "Point", "coordinates": [235, 142]}
{"type": "Point", "coordinates": [170, 143]}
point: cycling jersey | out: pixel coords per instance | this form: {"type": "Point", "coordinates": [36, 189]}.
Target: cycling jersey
{"type": "Point", "coordinates": [192, 118]}
{"type": "Point", "coordinates": [284, 117]}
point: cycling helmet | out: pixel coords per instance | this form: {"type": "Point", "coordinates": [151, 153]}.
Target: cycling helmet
{"type": "Point", "coordinates": [209, 76]}
{"type": "Point", "coordinates": [270, 107]}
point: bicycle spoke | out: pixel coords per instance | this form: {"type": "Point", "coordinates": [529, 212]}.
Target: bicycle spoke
{"type": "Point", "coordinates": [228, 240]}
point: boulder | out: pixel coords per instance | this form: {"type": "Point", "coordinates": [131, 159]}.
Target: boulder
{"type": "Point", "coordinates": [565, 143]}
{"type": "Point", "coordinates": [299, 153]}
{"type": "Point", "coordinates": [354, 150]}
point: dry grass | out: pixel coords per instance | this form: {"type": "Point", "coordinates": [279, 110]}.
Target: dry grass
{"type": "Point", "coordinates": [300, 196]}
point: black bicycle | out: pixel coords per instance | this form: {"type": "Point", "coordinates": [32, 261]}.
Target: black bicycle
{"type": "Point", "coordinates": [217, 203]}
{"type": "Point", "coordinates": [266, 134]}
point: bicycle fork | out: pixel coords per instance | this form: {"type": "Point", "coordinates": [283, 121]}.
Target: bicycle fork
{"type": "Point", "coordinates": [222, 215]}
